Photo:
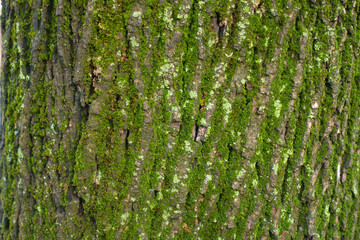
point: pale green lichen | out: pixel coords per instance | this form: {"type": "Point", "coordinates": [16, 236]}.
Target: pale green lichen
{"type": "Point", "coordinates": [174, 190]}
{"type": "Point", "coordinates": [275, 168]}
{"type": "Point", "coordinates": [240, 173]}
{"type": "Point", "coordinates": [166, 16]}
{"type": "Point", "coordinates": [17, 27]}
{"type": "Point", "coordinates": [227, 106]}
{"type": "Point", "coordinates": [137, 14]}
{"type": "Point", "coordinates": [160, 176]}
{"type": "Point", "coordinates": [193, 94]}
{"type": "Point", "coordinates": [98, 177]}
{"type": "Point", "coordinates": [203, 122]}
{"type": "Point", "coordinates": [354, 187]}
{"type": "Point", "coordinates": [133, 41]}
{"type": "Point", "coordinates": [18, 47]}
{"type": "Point", "coordinates": [229, 55]}
{"type": "Point", "coordinates": [124, 217]}
{"type": "Point", "coordinates": [317, 46]}
{"type": "Point", "coordinates": [208, 177]}
{"type": "Point", "coordinates": [176, 179]}
{"type": "Point", "coordinates": [188, 146]}
{"type": "Point", "coordinates": [311, 114]}
{"type": "Point", "coordinates": [169, 93]}
{"type": "Point", "coordinates": [164, 69]}
{"type": "Point", "coordinates": [182, 16]}
{"type": "Point", "coordinates": [20, 154]}
{"type": "Point", "coordinates": [327, 212]}
{"type": "Point", "coordinates": [287, 154]}
{"type": "Point", "coordinates": [282, 88]}
{"type": "Point", "coordinates": [278, 106]}
{"type": "Point", "coordinates": [159, 196]}
{"type": "Point", "coordinates": [254, 182]}
{"type": "Point", "coordinates": [211, 42]}
{"type": "Point", "coordinates": [241, 25]}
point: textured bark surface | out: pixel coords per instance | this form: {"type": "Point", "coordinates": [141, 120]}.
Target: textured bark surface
{"type": "Point", "coordinates": [231, 119]}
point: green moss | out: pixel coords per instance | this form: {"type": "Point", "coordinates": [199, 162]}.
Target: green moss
{"type": "Point", "coordinates": [165, 81]}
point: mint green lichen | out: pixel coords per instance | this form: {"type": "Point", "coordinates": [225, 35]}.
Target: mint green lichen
{"type": "Point", "coordinates": [137, 14]}
{"type": "Point", "coordinates": [208, 178]}
{"type": "Point", "coordinates": [203, 122]}
{"type": "Point", "coordinates": [133, 41]}
{"type": "Point", "coordinates": [187, 146]}
{"type": "Point", "coordinates": [278, 106]}
{"type": "Point", "coordinates": [227, 106]}
{"type": "Point", "coordinates": [176, 179]}
{"type": "Point", "coordinates": [193, 94]}
{"type": "Point", "coordinates": [166, 16]}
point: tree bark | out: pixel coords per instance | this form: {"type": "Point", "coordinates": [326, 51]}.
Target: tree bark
{"type": "Point", "coordinates": [134, 119]}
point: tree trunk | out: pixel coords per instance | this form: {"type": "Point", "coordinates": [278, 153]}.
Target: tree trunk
{"type": "Point", "coordinates": [231, 119]}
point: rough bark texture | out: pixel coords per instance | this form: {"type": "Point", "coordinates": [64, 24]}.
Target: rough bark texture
{"type": "Point", "coordinates": [154, 119]}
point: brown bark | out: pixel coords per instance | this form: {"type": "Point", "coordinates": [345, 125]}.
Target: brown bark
{"type": "Point", "coordinates": [179, 119]}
